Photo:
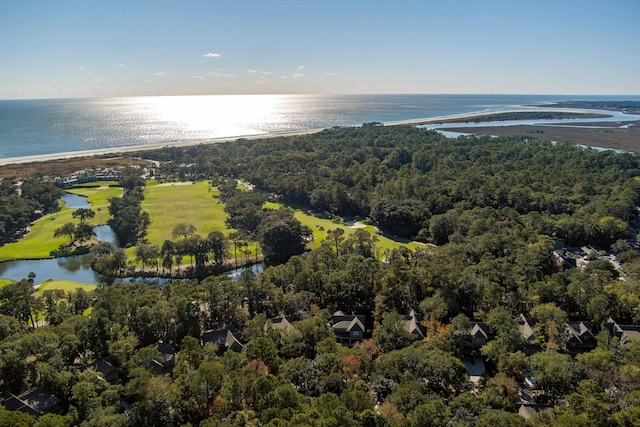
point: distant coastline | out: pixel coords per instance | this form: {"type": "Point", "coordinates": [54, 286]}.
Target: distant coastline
{"type": "Point", "coordinates": [474, 122]}
{"type": "Point", "coordinates": [457, 118]}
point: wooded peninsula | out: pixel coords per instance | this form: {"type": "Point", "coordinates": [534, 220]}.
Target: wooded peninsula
{"type": "Point", "coordinates": [509, 297]}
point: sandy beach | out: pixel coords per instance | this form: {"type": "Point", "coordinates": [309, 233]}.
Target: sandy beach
{"type": "Point", "coordinates": [147, 147]}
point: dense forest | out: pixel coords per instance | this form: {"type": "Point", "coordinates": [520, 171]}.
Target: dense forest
{"type": "Point", "coordinates": [487, 211]}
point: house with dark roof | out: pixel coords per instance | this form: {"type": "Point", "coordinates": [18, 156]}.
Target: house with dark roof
{"type": "Point", "coordinates": [105, 369]}
{"type": "Point", "coordinates": [167, 358]}
{"type": "Point", "coordinates": [578, 337]}
{"type": "Point", "coordinates": [348, 329]}
{"type": "Point", "coordinates": [36, 401]}
{"type": "Point", "coordinates": [413, 325]}
{"type": "Point", "coordinates": [471, 340]}
{"type": "Point", "coordinates": [625, 333]}
{"type": "Point", "coordinates": [225, 339]}
{"type": "Point", "coordinates": [479, 335]}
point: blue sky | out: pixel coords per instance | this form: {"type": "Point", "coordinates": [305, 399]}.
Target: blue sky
{"type": "Point", "coordinates": [90, 48]}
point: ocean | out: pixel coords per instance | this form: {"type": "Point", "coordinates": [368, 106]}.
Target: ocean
{"type": "Point", "coordinates": [58, 126]}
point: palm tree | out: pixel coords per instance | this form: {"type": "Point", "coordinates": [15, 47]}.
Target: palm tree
{"type": "Point", "coordinates": [236, 238]}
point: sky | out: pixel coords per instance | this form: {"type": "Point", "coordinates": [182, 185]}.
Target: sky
{"type": "Point", "coordinates": [91, 48]}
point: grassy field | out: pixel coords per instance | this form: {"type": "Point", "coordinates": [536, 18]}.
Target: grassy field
{"type": "Point", "coordinates": [170, 204]}
{"type": "Point", "coordinates": [315, 223]}
{"type": "Point", "coordinates": [64, 285]}
{"type": "Point", "coordinates": [5, 282]}
{"type": "Point", "coordinates": [39, 242]}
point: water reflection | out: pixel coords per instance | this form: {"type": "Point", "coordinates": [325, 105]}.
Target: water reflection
{"type": "Point", "coordinates": [75, 268]}
{"type": "Point", "coordinates": [235, 274]}
{"type": "Point", "coordinates": [75, 201]}
{"type": "Point", "coordinates": [78, 268]}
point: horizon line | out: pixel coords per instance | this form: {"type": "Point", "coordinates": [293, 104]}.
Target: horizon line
{"type": "Point", "coordinates": [327, 95]}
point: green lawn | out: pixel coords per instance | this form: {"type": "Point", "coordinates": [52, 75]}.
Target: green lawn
{"type": "Point", "coordinates": [315, 223]}
{"type": "Point", "coordinates": [97, 184]}
{"type": "Point", "coordinates": [65, 285]}
{"type": "Point", "coordinates": [170, 204]}
{"type": "Point", "coordinates": [39, 242]}
{"type": "Point", "coordinates": [5, 282]}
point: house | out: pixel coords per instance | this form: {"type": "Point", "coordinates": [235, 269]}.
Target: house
{"type": "Point", "coordinates": [225, 339]}
{"type": "Point", "coordinates": [105, 369]}
{"type": "Point", "coordinates": [167, 358]}
{"type": "Point", "coordinates": [35, 402]}
{"type": "Point", "coordinates": [528, 411]}
{"type": "Point", "coordinates": [529, 337]}
{"type": "Point", "coordinates": [625, 333]}
{"type": "Point", "coordinates": [471, 340]}
{"type": "Point", "coordinates": [479, 335]}
{"type": "Point", "coordinates": [348, 328]}
{"type": "Point", "coordinates": [414, 324]}
{"type": "Point", "coordinates": [578, 337]}
{"type": "Point", "coordinates": [281, 323]}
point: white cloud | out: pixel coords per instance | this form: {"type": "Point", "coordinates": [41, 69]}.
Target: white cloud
{"type": "Point", "coordinates": [267, 73]}
{"type": "Point", "coordinates": [330, 74]}
{"type": "Point", "coordinates": [285, 77]}
{"type": "Point", "coordinates": [252, 71]}
{"type": "Point", "coordinates": [298, 76]}
{"type": "Point", "coordinates": [302, 67]}
{"type": "Point", "coordinates": [264, 79]}
{"type": "Point", "coordinates": [148, 81]}
{"type": "Point", "coordinates": [198, 77]}
{"type": "Point", "coordinates": [120, 65]}
{"type": "Point", "coordinates": [211, 55]}
{"type": "Point", "coordinates": [219, 74]}
{"type": "Point", "coordinates": [161, 73]}
{"type": "Point", "coordinates": [82, 68]}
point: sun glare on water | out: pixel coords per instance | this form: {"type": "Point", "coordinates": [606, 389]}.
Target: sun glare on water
{"type": "Point", "coordinates": [214, 116]}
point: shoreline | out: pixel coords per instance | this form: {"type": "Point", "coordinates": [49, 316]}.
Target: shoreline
{"type": "Point", "coordinates": [39, 158]}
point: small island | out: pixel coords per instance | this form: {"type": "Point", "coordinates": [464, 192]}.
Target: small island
{"type": "Point", "coordinates": [519, 115]}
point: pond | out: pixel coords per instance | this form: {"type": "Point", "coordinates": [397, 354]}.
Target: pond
{"type": "Point", "coordinates": [75, 201]}
{"type": "Point", "coordinates": [75, 268]}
